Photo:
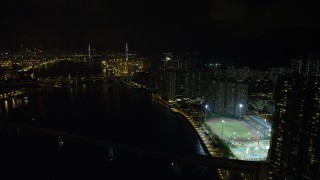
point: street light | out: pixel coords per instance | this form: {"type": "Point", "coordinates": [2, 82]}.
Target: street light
{"type": "Point", "coordinates": [240, 106]}
{"type": "Point", "coordinates": [222, 122]}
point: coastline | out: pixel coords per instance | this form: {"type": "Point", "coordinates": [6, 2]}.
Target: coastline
{"type": "Point", "coordinates": [205, 142]}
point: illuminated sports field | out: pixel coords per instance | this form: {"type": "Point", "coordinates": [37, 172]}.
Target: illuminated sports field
{"type": "Point", "coordinates": [232, 129]}
{"type": "Point", "coordinates": [245, 142]}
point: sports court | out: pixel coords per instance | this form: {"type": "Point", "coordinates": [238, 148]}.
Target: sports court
{"type": "Point", "coordinates": [245, 139]}
{"type": "Point", "coordinates": [232, 129]}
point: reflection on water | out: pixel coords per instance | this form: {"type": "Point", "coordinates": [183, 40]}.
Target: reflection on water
{"type": "Point", "coordinates": [199, 148]}
{"type": "Point", "coordinates": [26, 101]}
{"type": "Point", "coordinates": [104, 72]}
{"type": "Point", "coordinates": [19, 102]}
{"type": "Point", "coordinates": [71, 92]}
{"type": "Point", "coordinates": [8, 105]}
{"type": "Point", "coordinates": [109, 112]}
{"type": "Point", "coordinates": [13, 103]}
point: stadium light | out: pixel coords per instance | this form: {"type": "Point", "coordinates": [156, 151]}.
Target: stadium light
{"type": "Point", "coordinates": [269, 132]}
{"type": "Point", "coordinates": [222, 122]}
{"type": "Point", "coordinates": [205, 112]}
{"type": "Point", "coordinates": [240, 107]}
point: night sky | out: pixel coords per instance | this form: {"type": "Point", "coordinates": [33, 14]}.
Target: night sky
{"type": "Point", "coordinates": [242, 31]}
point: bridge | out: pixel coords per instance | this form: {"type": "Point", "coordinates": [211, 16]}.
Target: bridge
{"type": "Point", "coordinates": [64, 80]}
{"type": "Point", "coordinates": [252, 167]}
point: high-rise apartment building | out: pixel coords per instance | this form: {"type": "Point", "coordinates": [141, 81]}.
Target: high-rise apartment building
{"type": "Point", "coordinates": [194, 82]}
{"type": "Point", "coordinates": [286, 133]}
{"type": "Point", "coordinates": [178, 76]}
{"type": "Point", "coordinates": [228, 98]}
{"type": "Point", "coordinates": [219, 97]}
{"type": "Point", "coordinates": [310, 144]}
{"type": "Point", "coordinates": [241, 100]}
{"type": "Point", "coordinates": [166, 83]}
{"type": "Point", "coordinates": [295, 136]}
{"type": "Point", "coordinates": [309, 66]}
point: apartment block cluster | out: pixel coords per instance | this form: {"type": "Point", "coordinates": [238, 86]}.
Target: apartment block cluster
{"type": "Point", "coordinates": [185, 77]}
{"type": "Point", "coordinates": [308, 65]}
{"type": "Point", "coordinates": [295, 145]}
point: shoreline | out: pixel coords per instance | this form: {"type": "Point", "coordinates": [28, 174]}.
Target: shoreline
{"type": "Point", "coordinates": [205, 142]}
{"type": "Point", "coordinates": [200, 131]}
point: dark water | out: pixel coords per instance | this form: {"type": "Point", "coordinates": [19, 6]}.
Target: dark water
{"type": "Point", "coordinates": [101, 111]}
{"type": "Point", "coordinates": [109, 112]}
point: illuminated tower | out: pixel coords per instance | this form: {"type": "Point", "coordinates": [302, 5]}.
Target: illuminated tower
{"type": "Point", "coordinates": [127, 54]}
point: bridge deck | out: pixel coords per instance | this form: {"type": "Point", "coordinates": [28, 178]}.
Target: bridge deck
{"type": "Point", "coordinates": [230, 164]}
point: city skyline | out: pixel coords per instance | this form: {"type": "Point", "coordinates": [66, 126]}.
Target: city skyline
{"type": "Point", "coordinates": [233, 110]}
{"type": "Point", "coordinates": [24, 51]}
{"type": "Point", "coordinates": [246, 33]}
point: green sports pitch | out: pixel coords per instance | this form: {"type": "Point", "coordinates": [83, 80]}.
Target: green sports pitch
{"type": "Point", "coordinates": [232, 129]}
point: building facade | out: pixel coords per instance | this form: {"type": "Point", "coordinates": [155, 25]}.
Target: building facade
{"type": "Point", "coordinates": [295, 137]}
{"type": "Point", "coordinates": [226, 96]}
